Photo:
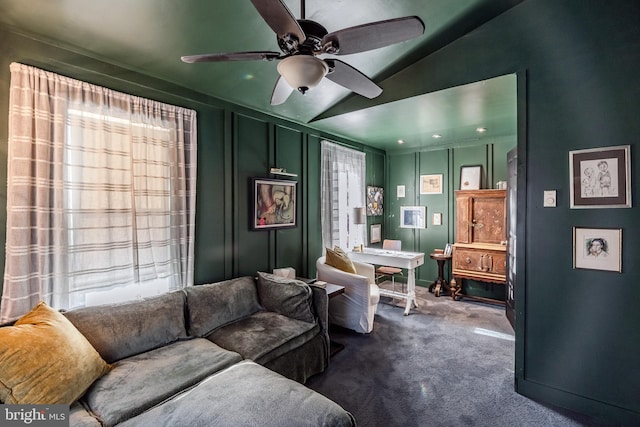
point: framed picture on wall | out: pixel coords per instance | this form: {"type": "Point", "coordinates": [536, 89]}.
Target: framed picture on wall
{"type": "Point", "coordinates": [597, 248]}
{"type": "Point", "coordinates": [413, 217]}
{"type": "Point", "coordinates": [437, 218]}
{"type": "Point", "coordinates": [471, 177]}
{"type": "Point", "coordinates": [376, 233]}
{"type": "Point", "coordinates": [274, 204]}
{"type": "Point", "coordinates": [431, 184]}
{"type": "Point", "coordinates": [375, 201]}
{"type": "Point", "coordinates": [600, 178]}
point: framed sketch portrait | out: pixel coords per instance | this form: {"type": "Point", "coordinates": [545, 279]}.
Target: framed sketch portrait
{"type": "Point", "coordinates": [471, 177]}
{"type": "Point", "coordinates": [431, 184]}
{"type": "Point", "coordinates": [597, 248]}
{"type": "Point", "coordinates": [412, 217]}
{"type": "Point", "coordinates": [274, 204]}
{"type": "Point", "coordinates": [600, 178]}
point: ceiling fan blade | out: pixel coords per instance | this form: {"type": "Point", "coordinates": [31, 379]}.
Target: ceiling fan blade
{"type": "Point", "coordinates": [233, 56]}
{"type": "Point", "coordinates": [347, 76]}
{"type": "Point", "coordinates": [373, 35]}
{"type": "Point", "coordinates": [278, 16]}
{"type": "Point", "coordinates": [281, 92]}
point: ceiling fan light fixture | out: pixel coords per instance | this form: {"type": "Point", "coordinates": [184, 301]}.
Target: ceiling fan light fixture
{"type": "Point", "coordinates": [302, 72]}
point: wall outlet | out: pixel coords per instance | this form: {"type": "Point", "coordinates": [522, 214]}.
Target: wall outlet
{"type": "Point", "coordinates": [549, 199]}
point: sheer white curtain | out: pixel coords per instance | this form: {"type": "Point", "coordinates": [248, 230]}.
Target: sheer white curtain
{"type": "Point", "coordinates": [101, 194]}
{"type": "Point", "coordinates": [343, 190]}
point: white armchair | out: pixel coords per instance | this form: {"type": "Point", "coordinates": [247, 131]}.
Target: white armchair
{"type": "Point", "coordinates": [355, 308]}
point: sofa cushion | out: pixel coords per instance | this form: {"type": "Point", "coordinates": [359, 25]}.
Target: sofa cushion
{"type": "Point", "coordinates": [213, 305]}
{"type": "Point", "coordinates": [264, 336]}
{"type": "Point", "coordinates": [338, 258]}
{"type": "Point", "coordinates": [246, 394]}
{"type": "Point", "coordinates": [122, 330]}
{"type": "Point", "coordinates": [45, 360]}
{"type": "Point", "coordinates": [80, 417]}
{"type": "Point", "coordinates": [289, 297]}
{"type": "Point", "coordinates": [137, 383]}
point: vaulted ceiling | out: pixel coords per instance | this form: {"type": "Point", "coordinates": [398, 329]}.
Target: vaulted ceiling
{"type": "Point", "coordinates": [150, 36]}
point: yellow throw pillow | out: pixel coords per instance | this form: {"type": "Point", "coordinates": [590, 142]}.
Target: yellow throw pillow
{"type": "Point", "coordinates": [44, 359]}
{"type": "Point", "coordinates": [338, 258]}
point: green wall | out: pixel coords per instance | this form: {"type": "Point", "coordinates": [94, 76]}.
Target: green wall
{"type": "Point", "coordinates": [577, 331]}
{"type": "Point", "coordinates": [234, 145]}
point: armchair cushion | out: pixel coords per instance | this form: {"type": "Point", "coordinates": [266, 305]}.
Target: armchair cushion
{"type": "Point", "coordinates": [338, 258]}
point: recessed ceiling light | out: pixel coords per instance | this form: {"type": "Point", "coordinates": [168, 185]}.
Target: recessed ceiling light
{"type": "Point", "coordinates": [436, 135]}
{"type": "Point", "coordinates": [481, 130]}
{"type": "Point", "coordinates": [401, 141]}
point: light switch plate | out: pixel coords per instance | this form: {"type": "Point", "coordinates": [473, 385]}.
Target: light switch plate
{"type": "Point", "coordinates": [550, 198]}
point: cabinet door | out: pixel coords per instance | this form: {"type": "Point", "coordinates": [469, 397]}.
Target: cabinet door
{"type": "Point", "coordinates": [488, 220]}
{"type": "Point", "coordinates": [463, 219]}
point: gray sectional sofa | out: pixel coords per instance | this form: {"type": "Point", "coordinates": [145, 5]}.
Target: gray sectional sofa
{"type": "Point", "coordinates": [232, 353]}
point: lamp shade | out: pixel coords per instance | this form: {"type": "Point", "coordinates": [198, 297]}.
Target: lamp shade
{"type": "Point", "coordinates": [359, 216]}
{"type": "Point", "coordinates": [302, 72]}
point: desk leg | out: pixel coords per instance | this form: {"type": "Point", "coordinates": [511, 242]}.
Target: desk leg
{"type": "Point", "coordinates": [411, 291]}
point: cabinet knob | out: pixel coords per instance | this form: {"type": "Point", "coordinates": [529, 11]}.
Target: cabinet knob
{"type": "Point", "coordinates": [468, 260]}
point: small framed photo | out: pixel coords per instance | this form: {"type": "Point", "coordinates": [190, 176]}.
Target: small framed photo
{"type": "Point", "coordinates": [376, 233]}
{"type": "Point", "coordinates": [597, 248]}
{"type": "Point", "coordinates": [375, 201]}
{"type": "Point", "coordinates": [448, 250]}
{"type": "Point", "coordinates": [470, 177]}
{"type": "Point", "coordinates": [437, 218]}
{"type": "Point", "coordinates": [400, 191]}
{"type": "Point", "coordinates": [431, 184]}
{"type": "Point", "coordinates": [600, 177]}
{"type": "Point", "coordinates": [412, 217]}
{"type": "Point", "coordinates": [274, 204]}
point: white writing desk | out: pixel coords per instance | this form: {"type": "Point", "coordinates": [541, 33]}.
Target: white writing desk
{"type": "Point", "coordinates": [400, 259]}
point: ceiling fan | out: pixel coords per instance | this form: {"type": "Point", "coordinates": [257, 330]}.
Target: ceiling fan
{"type": "Point", "coordinates": [302, 41]}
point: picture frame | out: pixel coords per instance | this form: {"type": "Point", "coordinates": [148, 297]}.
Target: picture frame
{"type": "Point", "coordinates": [413, 217]}
{"type": "Point", "coordinates": [448, 249]}
{"type": "Point", "coordinates": [274, 204]}
{"type": "Point", "coordinates": [375, 201]}
{"type": "Point", "coordinates": [376, 233]}
{"type": "Point", "coordinates": [400, 191]}
{"type": "Point", "coordinates": [471, 177]}
{"type": "Point", "coordinates": [431, 184]}
{"type": "Point", "coordinates": [600, 177]}
{"type": "Point", "coordinates": [597, 248]}
{"type": "Point", "coordinates": [436, 218]}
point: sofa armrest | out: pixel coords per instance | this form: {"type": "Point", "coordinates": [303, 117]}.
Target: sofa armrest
{"type": "Point", "coordinates": [321, 307]}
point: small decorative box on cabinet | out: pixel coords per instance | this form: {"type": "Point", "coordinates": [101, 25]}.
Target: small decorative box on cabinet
{"type": "Point", "coordinates": [479, 252]}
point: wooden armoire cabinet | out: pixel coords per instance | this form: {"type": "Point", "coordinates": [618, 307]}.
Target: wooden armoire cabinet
{"type": "Point", "coordinates": [479, 252]}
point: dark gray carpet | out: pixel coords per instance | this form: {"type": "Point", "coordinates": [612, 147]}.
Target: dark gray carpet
{"type": "Point", "coordinates": [446, 364]}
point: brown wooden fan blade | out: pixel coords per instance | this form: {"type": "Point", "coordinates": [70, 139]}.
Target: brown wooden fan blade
{"type": "Point", "coordinates": [373, 35]}
{"type": "Point", "coordinates": [278, 16]}
{"type": "Point", "coordinates": [232, 56]}
{"type": "Point", "coordinates": [347, 76]}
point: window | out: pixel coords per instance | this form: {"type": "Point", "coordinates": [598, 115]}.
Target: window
{"type": "Point", "coordinates": [343, 190]}
{"type": "Point", "coordinates": [101, 194]}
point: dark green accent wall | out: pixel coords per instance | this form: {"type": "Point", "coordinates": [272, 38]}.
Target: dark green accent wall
{"type": "Point", "coordinates": [577, 331]}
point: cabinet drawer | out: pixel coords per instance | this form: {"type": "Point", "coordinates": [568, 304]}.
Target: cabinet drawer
{"type": "Point", "coordinates": [474, 260]}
